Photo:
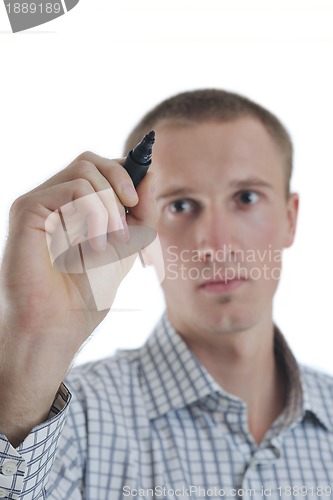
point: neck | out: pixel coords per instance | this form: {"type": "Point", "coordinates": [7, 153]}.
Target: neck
{"type": "Point", "coordinates": [243, 363]}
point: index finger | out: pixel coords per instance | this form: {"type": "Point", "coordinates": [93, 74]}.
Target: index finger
{"type": "Point", "coordinates": [112, 170]}
{"type": "Point", "coordinates": [115, 174]}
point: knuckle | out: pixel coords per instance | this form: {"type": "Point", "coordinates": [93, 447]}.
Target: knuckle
{"type": "Point", "coordinates": [82, 186]}
{"type": "Point", "coordinates": [85, 156]}
{"type": "Point", "coordinates": [18, 205]}
{"type": "Point", "coordinates": [83, 167]}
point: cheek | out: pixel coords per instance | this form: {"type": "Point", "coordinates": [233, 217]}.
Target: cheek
{"type": "Point", "coordinates": [264, 231]}
{"type": "Point", "coordinates": [263, 243]}
{"type": "Point", "coordinates": [266, 237]}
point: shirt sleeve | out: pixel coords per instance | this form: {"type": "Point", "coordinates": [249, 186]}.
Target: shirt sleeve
{"type": "Point", "coordinates": [25, 470]}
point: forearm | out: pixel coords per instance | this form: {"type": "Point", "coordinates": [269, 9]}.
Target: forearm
{"type": "Point", "coordinates": [30, 379]}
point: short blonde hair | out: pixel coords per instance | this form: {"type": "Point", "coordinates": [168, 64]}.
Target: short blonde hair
{"type": "Point", "coordinates": [215, 105]}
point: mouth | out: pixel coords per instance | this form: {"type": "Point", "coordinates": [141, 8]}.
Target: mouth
{"type": "Point", "coordinates": [221, 285]}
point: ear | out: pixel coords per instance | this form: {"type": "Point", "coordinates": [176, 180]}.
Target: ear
{"type": "Point", "coordinates": [292, 213]}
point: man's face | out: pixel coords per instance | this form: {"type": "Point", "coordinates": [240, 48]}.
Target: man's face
{"type": "Point", "coordinates": [223, 221]}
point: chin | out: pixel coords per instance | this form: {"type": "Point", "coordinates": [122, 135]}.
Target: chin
{"type": "Point", "coordinates": [223, 322]}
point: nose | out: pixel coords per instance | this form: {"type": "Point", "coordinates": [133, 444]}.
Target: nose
{"type": "Point", "coordinates": [215, 232]}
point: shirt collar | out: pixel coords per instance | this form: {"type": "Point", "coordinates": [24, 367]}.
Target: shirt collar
{"type": "Point", "coordinates": [309, 392]}
{"type": "Point", "coordinates": [318, 395]}
{"type": "Point", "coordinates": [172, 378]}
{"type": "Point", "coordinates": [170, 374]}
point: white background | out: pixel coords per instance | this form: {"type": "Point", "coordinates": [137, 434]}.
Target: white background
{"type": "Point", "coordinates": [83, 81]}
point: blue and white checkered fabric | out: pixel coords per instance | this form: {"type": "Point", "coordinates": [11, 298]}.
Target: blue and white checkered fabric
{"type": "Point", "coordinates": [152, 423]}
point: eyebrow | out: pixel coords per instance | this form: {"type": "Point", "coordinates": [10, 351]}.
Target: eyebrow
{"type": "Point", "coordinates": [251, 181]}
{"type": "Point", "coordinates": [176, 192]}
{"type": "Point", "coordinates": [239, 184]}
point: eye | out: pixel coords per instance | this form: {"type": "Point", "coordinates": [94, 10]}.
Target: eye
{"type": "Point", "coordinates": [248, 197]}
{"type": "Point", "coordinates": [184, 206]}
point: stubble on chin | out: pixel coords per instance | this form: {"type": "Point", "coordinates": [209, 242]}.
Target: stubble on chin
{"type": "Point", "coordinates": [224, 299]}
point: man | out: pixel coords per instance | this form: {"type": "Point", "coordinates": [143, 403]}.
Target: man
{"type": "Point", "coordinates": [214, 404]}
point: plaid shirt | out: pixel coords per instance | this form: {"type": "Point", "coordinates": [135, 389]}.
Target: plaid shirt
{"type": "Point", "coordinates": [152, 423]}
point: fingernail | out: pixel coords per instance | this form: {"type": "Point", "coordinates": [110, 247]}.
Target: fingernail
{"type": "Point", "coordinates": [129, 190]}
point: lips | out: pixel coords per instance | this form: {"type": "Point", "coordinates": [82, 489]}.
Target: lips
{"type": "Point", "coordinates": [221, 285]}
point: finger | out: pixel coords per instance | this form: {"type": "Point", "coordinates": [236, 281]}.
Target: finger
{"type": "Point", "coordinates": [83, 209]}
{"type": "Point", "coordinates": [145, 211]}
{"type": "Point", "coordinates": [111, 170]}
{"type": "Point", "coordinates": [102, 173]}
{"type": "Point", "coordinates": [88, 170]}
{"type": "Point", "coordinates": [116, 175]}
{"type": "Point", "coordinates": [83, 218]}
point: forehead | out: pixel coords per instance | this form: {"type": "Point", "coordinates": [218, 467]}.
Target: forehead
{"type": "Point", "coordinates": [239, 137]}
{"type": "Point", "coordinates": [222, 150]}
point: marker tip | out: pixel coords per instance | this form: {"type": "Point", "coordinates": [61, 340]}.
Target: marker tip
{"type": "Point", "coordinates": [151, 136]}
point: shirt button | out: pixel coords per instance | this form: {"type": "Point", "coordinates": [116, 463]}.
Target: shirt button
{"type": "Point", "coordinates": [9, 468]}
{"type": "Point", "coordinates": [3, 494]}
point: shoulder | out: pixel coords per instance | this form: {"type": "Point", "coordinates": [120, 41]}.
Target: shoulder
{"type": "Point", "coordinates": [316, 376]}
{"type": "Point", "coordinates": [317, 383]}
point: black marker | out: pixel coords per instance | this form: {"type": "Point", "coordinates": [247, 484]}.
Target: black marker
{"type": "Point", "coordinates": [138, 159]}
{"type": "Point", "coordinates": [137, 163]}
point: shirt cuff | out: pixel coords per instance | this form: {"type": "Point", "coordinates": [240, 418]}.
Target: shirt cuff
{"type": "Point", "coordinates": [24, 471]}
